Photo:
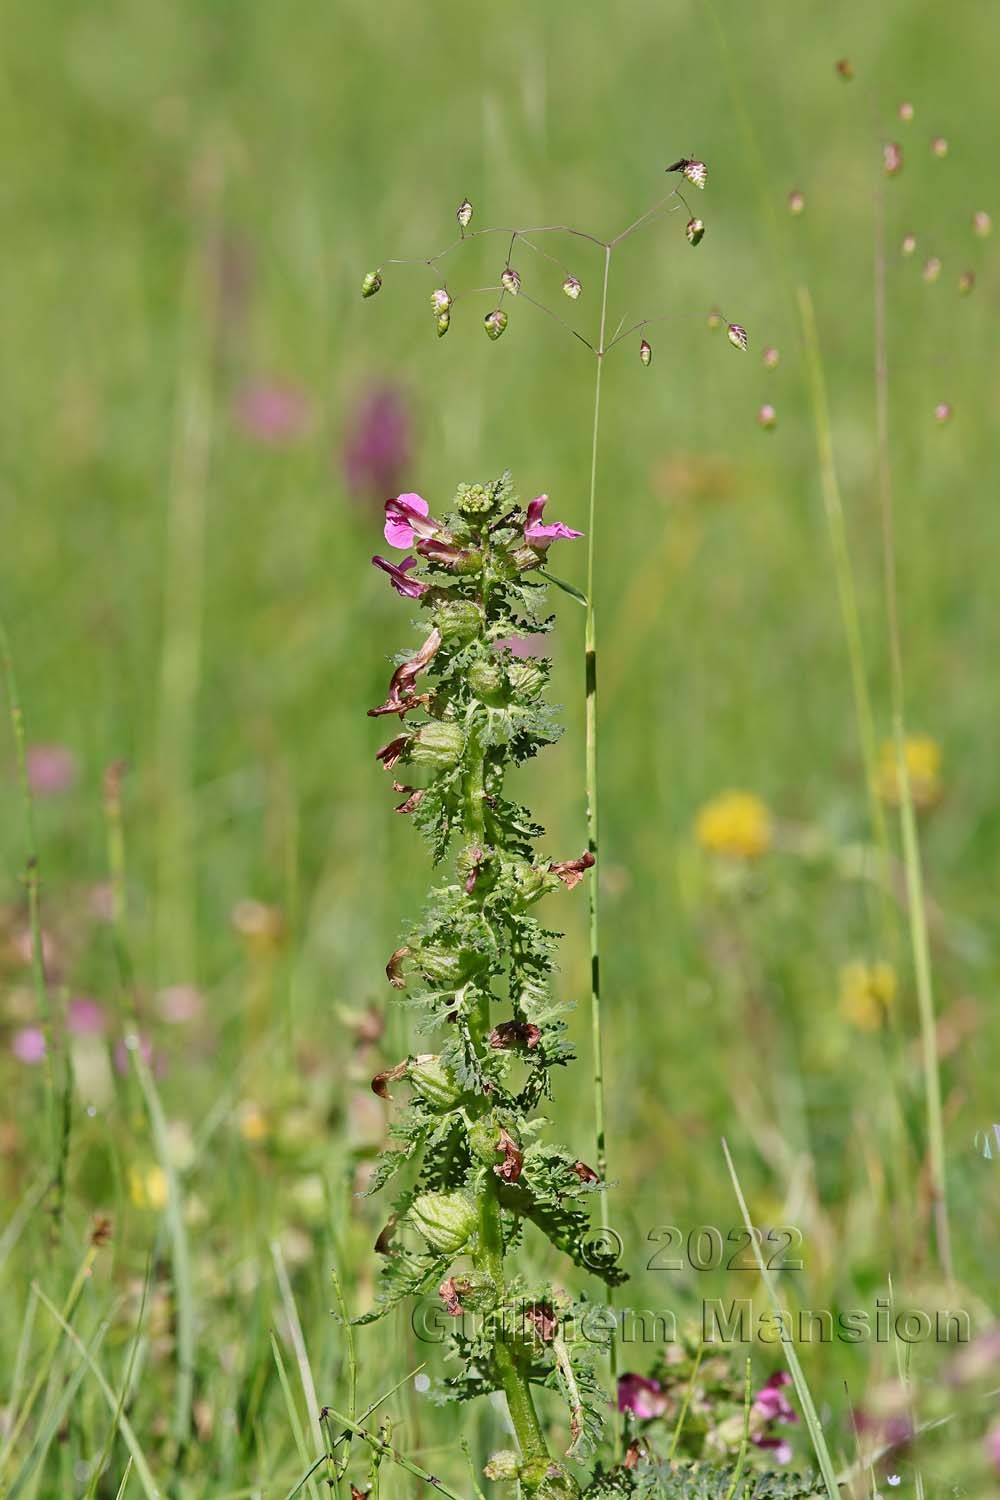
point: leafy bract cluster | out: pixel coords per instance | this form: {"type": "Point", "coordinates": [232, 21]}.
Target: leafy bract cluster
{"type": "Point", "coordinates": [470, 705]}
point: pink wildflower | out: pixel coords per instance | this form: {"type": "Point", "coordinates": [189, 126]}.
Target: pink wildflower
{"type": "Point", "coordinates": [643, 1398]}
{"type": "Point", "coordinates": [406, 518]}
{"type": "Point", "coordinates": [535, 531]}
{"type": "Point", "coordinates": [52, 769]}
{"type": "Point", "coordinates": [770, 1405]}
{"type": "Point", "coordinates": [85, 1017]}
{"type": "Point", "coordinates": [28, 1045]}
{"type": "Point", "coordinates": [272, 412]}
{"type": "Point", "coordinates": [410, 588]}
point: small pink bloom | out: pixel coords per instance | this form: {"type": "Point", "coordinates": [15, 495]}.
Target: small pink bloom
{"type": "Point", "coordinates": [534, 531]}
{"type": "Point", "coordinates": [28, 1045]}
{"type": "Point", "coordinates": [377, 444]}
{"type": "Point", "coordinates": [771, 1405]}
{"type": "Point", "coordinates": [272, 412]}
{"type": "Point", "coordinates": [410, 588]}
{"type": "Point", "coordinates": [85, 1017]}
{"type": "Point", "coordinates": [405, 520]}
{"type": "Point", "coordinates": [993, 1447]}
{"type": "Point", "coordinates": [521, 646]}
{"type": "Point", "coordinates": [643, 1398]}
{"type": "Point", "coordinates": [179, 1003]}
{"type": "Point", "coordinates": [52, 769]}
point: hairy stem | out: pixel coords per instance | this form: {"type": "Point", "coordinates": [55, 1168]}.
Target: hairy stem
{"type": "Point", "coordinates": [590, 662]}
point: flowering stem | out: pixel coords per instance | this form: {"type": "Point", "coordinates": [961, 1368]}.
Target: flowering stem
{"type": "Point", "coordinates": [590, 662]}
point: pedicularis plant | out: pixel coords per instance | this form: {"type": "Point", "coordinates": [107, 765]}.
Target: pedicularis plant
{"type": "Point", "coordinates": [477, 969]}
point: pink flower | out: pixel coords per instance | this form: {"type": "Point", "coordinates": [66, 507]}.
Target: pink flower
{"type": "Point", "coordinates": [643, 1398]}
{"type": "Point", "coordinates": [51, 769]}
{"type": "Point", "coordinates": [28, 1045]}
{"type": "Point", "coordinates": [179, 1003]}
{"type": "Point", "coordinates": [406, 519]}
{"type": "Point", "coordinates": [376, 446]}
{"type": "Point", "coordinates": [410, 588]}
{"type": "Point", "coordinates": [85, 1017]}
{"type": "Point", "coordinates": [534, 531]}
{"type": "Point", "coordinates": [993, 1447]}
{"type": "Point", "coordinates": [272, 412]}
{"type": "Point", "coordinates": [520, 645]}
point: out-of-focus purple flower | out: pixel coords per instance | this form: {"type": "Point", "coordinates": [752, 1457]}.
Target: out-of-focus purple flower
{"type": "Point", "coordinates": [410, 588]}
{"type": "Point", "coordinates": [52, 769]}
{"type": "Point", "coordinates": [642, 1397]}
{"type": "Point", "coordinates": [993, 1447]}
{"type": "Point", "coordinates": [272, 411]}
{"type": "Point", "coordinates": [85, 1017]}
{"type": "Point", "coordinates": [179, 1004]}
{"type": "Point", "coordinates": [407, 517]}
{"type": "Point", "coordinates": [535, 531]}
{"type": "Point", "coordinates": [771, 1405]}
{"type": "Point", "coordinates": [28, 1045]}
{"type": "Point", "coordinates": [377, 445]}
{"type": "Point", "coordinates": [522, 646]}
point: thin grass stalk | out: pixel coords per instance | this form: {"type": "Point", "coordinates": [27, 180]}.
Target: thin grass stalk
{"type": "Point", "coordinates": [912, 862]}
{"type": "Point", "coordinates": [58, 1141]}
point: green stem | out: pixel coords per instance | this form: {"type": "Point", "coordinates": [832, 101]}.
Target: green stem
{"type": "Point", "coordinates": [916, 904]}
{"type": "Point", "coordinates": [593, 885]}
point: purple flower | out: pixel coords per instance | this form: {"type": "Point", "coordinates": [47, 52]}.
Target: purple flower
{"type": "Point", "coordinates": [272, 412]}
{"type": "Point", "coordinates": [28, 1045]}
{"type": "Point", "coordinates": [51, 769]}
{"type": "Point", "coordinates": [643, 1398]}
{"type": "Point", "coordinates": [406, 518]}
{"type": "Point", "coordinates": [993, 1447]}
{"type": "Point", "coordinates": [410, 588]}
{"type": "Point", "coordinates": [85, 1017]}
{"type": "Point", "coordinates": [377, 445]}
{"type": "Point", "coordinates": [770, 1405]}
{"type": "Point", "coordinates": [534, 531]}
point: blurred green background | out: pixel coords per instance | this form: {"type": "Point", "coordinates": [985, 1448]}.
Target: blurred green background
{"type": "Point", "coordinates": [199, 421]}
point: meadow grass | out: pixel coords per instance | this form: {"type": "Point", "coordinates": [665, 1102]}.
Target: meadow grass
{"type": "Point", "coordinates": [192, 193]}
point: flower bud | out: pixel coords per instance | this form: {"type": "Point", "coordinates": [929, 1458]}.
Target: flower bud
{"type": "Point", "coordinates": [441, 300]}
{"type": "Point", "coordinates": [434, 1083]}
{"type": "Point", "coordinates": [458, 619]}
{"type": "Point", "coordinates": [529, 882]}
{"type": "Point", "coordinates": [645, 352]}
{"type": "Point", "coordinates": [932, 269]}
{"type": "Point", "coordinates": [446, 1220]}
{"type": "Point", "coordinates": [486, 679]}
{"type": "Point", "coordinates": [796, 201]}
{"type": "Point", "coordinates": [437, 744]}
{"type": "Point", "coordinates": [495, 322]}
{"type": "Point", "coordinates": [696, 172]}
{"type": "Point", "coordinates": [767, 417]}
{"type": "Point", "coordinates": [966, 282]}
{"type": "Point", "coordinates": [502, 1465]}
{"type": "Point", "coordinates": [524, 558]}
{"type": "Point", "coordinates": [892, 158]}
{"type": "Point", "coordinates": [905, 111]}
{"type": "Point", "coordinates": [482, 1138]}
{"type": "Point", "coordinates": [939, 146]}
{"type": "Point", "coordinates": [737, 336]}
{"type": "Point", "coordinates": [695, 231]}
{"type": "Point", "coordinates": [510, 280]}
{"type": "Point", "coordinates": [771, 357]}
{"type": "Point", "coordinates": [464, 213]}
{"type": "Point", "coordinates": [909, 244]}
{"type": "Point", "coordinates": [526, 679]}
{"type": "Point", "coordinates": [443, 323]}
{"type": "Point", "coordinates": [475, 499]}
{"type": "Point", "coordinates": [982, 224]}
{"type": "Point", "coordinates": [371, 284]}
{"type": "Point", "coordinates": [572, 288]}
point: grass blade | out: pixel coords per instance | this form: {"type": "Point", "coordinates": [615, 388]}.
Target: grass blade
{"type": "Point", "coordinates": [795, 1369]}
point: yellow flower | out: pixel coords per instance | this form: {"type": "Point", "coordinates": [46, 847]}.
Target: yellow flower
{"type": "Point", "coordinates": [735, 823]}
{"type": "Point", "coordinates": [923, 763]}
{"type": "Point", "coordinates": [148, 1187]}
{"type": "Point", "coordinates": [253, 1124]}
{"type": "Point", "coordinates": [867, 992]}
